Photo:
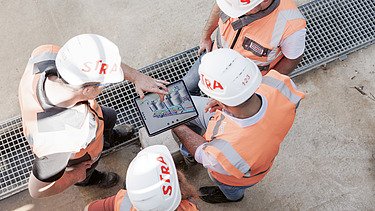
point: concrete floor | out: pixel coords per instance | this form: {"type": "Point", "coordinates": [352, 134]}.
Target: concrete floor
{"type": "Point", "coordinates": [327, 161]}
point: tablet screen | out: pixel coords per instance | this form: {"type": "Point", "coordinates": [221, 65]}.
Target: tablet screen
{"type": "Point", "coordinates": [177, 108]}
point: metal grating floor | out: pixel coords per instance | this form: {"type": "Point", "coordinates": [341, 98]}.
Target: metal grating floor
{"type": "Point", "coordinates": [335, 28]}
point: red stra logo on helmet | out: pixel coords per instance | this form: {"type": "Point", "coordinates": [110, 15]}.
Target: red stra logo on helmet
{"type": "Point", "coordinates": [212, 85]}
{"type": "Point", "coordinates": [99, 65]}
{"type": "Point", "coordinates": [245, 1]}
{"type": "Point", "coordinates": [164, 176]}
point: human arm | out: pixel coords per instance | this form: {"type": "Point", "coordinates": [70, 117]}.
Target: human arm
{"type": "Point", "coordinates": [211, 24]}
{"type": "Point", "coordinates": [144, 83]}
{"type": "Point", "coordinates": [195, 143]}
{"type": "Point", "coordinates": [286, 66]}
{"type": "Point", "coordinates": [40, 189]}
{"type": "Point", "coordinates": [292, 47]}
{"type": "Point", "coordinates": [189, 138]}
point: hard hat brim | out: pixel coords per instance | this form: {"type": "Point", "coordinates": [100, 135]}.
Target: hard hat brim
{"type": "Point", "coordinates": [230, 11]}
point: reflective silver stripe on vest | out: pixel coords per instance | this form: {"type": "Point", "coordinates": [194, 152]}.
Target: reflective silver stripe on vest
{"type": "Point", "coordinates": [281, 86]}
{"type": "Point", "coordinates": [231, 154]}
{"type": "Point", "coordinates": [126, 205]}
{"type": "Point", "coordinates": [272, 55]}
{"type": "Point", "coordinates": [43, 57]}
{"type": "Point", "coordinates": [216, 128]}
{"type": "Point", "coordinates": [218, 39]}
{"type": "Point", "coordinates": [282, 18]}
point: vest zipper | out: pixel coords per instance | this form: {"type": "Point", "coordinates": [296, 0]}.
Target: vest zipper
{"type": "Point", "coordinates": [236, 38]}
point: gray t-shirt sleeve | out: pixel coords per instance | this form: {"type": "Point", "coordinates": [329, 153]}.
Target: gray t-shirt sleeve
{"type": "Point", "coordinates": [50, 168]}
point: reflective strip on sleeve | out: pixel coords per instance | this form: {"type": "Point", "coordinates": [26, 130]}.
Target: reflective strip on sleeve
{"type": "Point", "coordinates": [43, 57]}
{"type": "Point", "coordinates": [216, 128]}
{"type": "Point", "coordinates": [126, 205]}
{"type": "Point", "coordinates": [281, 21]}
{"type": "Point", "coordinates": [282, 87]}
{"type": "Point", "coordinates": [231, 155]}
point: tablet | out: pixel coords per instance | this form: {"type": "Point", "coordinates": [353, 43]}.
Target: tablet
{"type": "Point", "coordinates": [176, 109]}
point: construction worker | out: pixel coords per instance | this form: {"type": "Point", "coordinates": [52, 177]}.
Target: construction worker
{"type": "Point", "coordinates": [152, 183]}
{"type": "Point", "coordinates": [269, 32]}
{"type": "Point", "coordinates": [252, 116]}
{"type": "Point", "coordinates": [61, 119]}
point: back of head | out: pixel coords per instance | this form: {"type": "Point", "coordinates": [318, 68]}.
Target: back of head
{"type": "Point", "coordinates": [89, 58]}
{"type": "Point", "coordinates": [151, 180]}
{"type": "Point", "coordinates": [237, 8]}
{"type": "Point", "coordinates": [227, 76]}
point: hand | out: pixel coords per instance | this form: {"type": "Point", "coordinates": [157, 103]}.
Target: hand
{"type": "Point", "coordinates": [212, 106]}
{"type": "Point", "coordinates": [205, 45]}
{"type": "Point", "coordinates": [79, 170]}
{"type": "Point", "coordinates": [144, 83]}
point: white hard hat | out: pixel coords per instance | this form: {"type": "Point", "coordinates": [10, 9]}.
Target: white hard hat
{"type": "Point", "coordinates": [89, 58]}
{"type": "Point", "coordinates": [228, 77]}
{"type": "Point", "coordinates": [151, 180]}
{"type": "Point", "coordinates": [236, 8]}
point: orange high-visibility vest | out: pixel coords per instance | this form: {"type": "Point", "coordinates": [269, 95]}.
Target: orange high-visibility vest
{"type": "Point", "coordinates": [258, 36]}
{"type": "Point", "coordinates": [31, 105]}
{"type": "Point", "coordinates": [247, 153]}
{"type": "Point", "coordinates": [122, 203]}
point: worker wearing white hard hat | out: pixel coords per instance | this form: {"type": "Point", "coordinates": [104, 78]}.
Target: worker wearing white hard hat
{"type": "Point", "coordinates": [64, 125]}
{"type": "Point", "coordinates": [252, 114]}
{"type": "Point", "coordinates": [269, 32]}
{"type": "Point", "coordinates": [152, 183]}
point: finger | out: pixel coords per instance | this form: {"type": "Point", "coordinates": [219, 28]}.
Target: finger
{"type": "Point", "coordinates": [162, 81]}
{"type": "Point", "coordinates": [140, 92]}
{"type": "Point", "coordinates": [209, 48]}
{"type": "Point", "coordinates": [213, 109]}
{"type": "Point", "coordinates": [201, 49]}
{"type": "Point", "coordinates": [159, 91]}
{"type": "Point", "coordinates": [211, 103]}
{"type": "Point", "coordinates": [207, 108]}
{"type": "Point", "coordinates": [161, 97]}
{"type": "Point", "coordinates": [162, 86]}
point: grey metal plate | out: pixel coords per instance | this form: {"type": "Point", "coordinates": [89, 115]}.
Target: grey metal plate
{"type": "Point", "coordinates": [335, 28]}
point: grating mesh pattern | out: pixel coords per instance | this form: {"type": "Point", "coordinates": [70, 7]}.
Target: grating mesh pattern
{"type": "Point", "coordinates": [15, 158]}
{"type": "Point", "coordinates": [335, 28]}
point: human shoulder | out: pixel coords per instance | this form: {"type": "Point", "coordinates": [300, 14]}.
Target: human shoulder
{"type": "Point", "coordinates": [187, 205]}
{"type": "Point", "coordinates": [45, 48]}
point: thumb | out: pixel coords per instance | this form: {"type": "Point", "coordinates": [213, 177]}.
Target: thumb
{"type": "Point", "coordinates": [209, 48]}
{"type": "Point", "coordinates": [200, 50]}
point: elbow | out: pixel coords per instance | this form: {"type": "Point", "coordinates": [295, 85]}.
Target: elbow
{"type": "Point", "coordinates": [41, 192]}
{"type": "Point", "coordinates": [35, 194]}
{"type": "Point", "coordinates": [38, 189]}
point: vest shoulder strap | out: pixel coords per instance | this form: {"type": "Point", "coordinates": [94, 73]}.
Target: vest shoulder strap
{"type": "Point", "coordinates": [247, 19]}
{"type": "Point", "coordinates": [284, 85]}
